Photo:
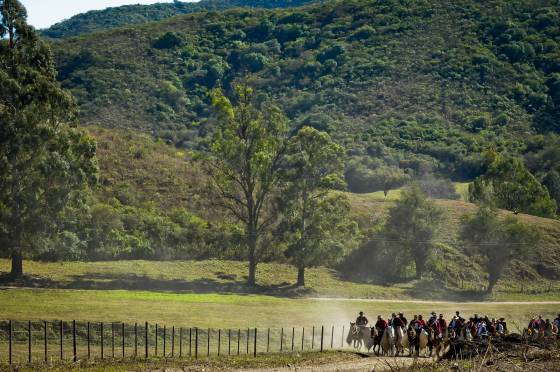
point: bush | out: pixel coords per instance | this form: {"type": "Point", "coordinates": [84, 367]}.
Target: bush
{"type": "Point", "coordinates": [169, 40]}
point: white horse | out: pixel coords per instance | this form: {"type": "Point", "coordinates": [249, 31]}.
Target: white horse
{"type": "Point", "coordinates": [388, 341]}
{"type": "Point", "coordinates": [423, 339]}
{"type": "Point", "coordinates": [401, 341]}
{"type": "Point", "coordinates": [358, 336]}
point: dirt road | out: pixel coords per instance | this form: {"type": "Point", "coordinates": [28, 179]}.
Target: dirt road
{"type": "Point", "coordinates": [366, 364]}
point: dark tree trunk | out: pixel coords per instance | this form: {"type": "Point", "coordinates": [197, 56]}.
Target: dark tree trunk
{"type": "Point", "coordinates": [252, 260]}
{"type": "Point", "coordinates": [420, 266]}
{"type": "Point", "coordinates": [301, 276]}
{"type": "Point", "coordinates": [17, 264]}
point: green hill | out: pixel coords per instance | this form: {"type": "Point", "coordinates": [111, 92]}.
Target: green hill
{"type": "Point", "coordinates": [408, 87]}
{"type": "Point", "coordinates": [99, 20]}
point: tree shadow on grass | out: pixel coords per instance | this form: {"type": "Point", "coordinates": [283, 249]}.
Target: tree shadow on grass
{"type": "Point", "coordinates": [227, 285]}
{"type": "Point", "coordinates": [33, 281]}
{"type": "Point", "coordinates": [429, 290]}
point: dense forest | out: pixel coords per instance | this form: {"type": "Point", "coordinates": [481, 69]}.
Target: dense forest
{"type": "Point", "coordinates": [409, 88]}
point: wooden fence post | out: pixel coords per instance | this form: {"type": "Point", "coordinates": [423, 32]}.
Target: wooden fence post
{"type": "Point", "coordinates": [74, 346]}
{"type": "Point", "coordinates": [156, 340]}
{"type": "Point", "coordinates": [208, 343]}
{"type": "Point", "coordinates": [88, 340]}
{"type": "Point", "coordinates": [229, 342]}
{"type": "Point", "coordinates": [293, 335]}
{"type": "Point", "coordinates": [190, 342]}
{"type": "Point", "coordinates": [11, 331]}
{"type": "Point", "coordinates": [268, 340]}
{"type": "Point", "coordinates": [219, 340]}
{"type": "Point", "coordinates": [29, 339]}
{"type": "Point", "coordinates": [247, 341]}
{"type": "Point", "coordinates": [322, 334]}
{"type": "Point", "coordinates": [196, 343]}
{"type": "Point", "coordinates": [146, 340]}
{"type": "Point", "coordinates": [172, 341]}
{"type": "Point", "coordinates": [180, 342]}
{"type": "Point", "coordinates": [61, 340]}
{"type": "Point", "coordinates": [281, 339]}
{"type": "Point", "coordinates": [46, 342]}
{"type": "Point", "coordinates": [302, 337]}
{"type": "Point", "coordinates": [255, 344]}
{"type": "Point", "coordinates": [313, 338]}
{"type": "Point", "coordinates": [101, 340]}
{"type": "Point", "coordinates": [164, 339]}
{"type": "Point", "coordinates": [123, 337]}
{"type": "Point", "coordinates": [135, 340]}
{"type": "Point", "coordinates": [238, 339]}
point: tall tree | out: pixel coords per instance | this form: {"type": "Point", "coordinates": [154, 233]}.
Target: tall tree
{"type": "Point", "coordinates": [412, 226]}
{"type": "Point", "coordinates": [316, 224]}
{"type": "Point", "coordinates": [43, 162]}
{"type": "Point", "coordinates": [508, 184]}
{"type": "Point", "coordinates": [245, 167]}
{"type": "Point", "coordinates": [497, 241]}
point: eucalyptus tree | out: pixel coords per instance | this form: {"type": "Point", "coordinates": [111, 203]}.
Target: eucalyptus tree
{"type": "Point", "coordinates": [244, 166]}
{"type": "Point", "coordinates": [44, 162]}
{"type": "Point", "coordinates": [316, 222]}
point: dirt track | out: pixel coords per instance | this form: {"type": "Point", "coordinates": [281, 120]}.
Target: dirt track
{"type": "Point", "coordinates": [366, 364]}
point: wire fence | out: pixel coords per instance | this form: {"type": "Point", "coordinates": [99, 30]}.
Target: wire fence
{"type": "Point", "coordinates": [51, 341]}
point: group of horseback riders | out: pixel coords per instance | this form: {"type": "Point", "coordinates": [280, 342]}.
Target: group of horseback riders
{"type": "Point", "coordinates": [544, 327]}
{"type": "Point", "coordinates": [436, 329]}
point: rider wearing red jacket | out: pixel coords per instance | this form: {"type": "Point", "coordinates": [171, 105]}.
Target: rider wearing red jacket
{"type": "Point", "coordinates": [381, 324]}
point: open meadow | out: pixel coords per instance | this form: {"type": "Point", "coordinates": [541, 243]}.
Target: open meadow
{"type": "Point", "coordinates": [201, 294]}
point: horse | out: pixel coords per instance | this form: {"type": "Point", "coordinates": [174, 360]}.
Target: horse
{"type": "Point", "coordinates": [375, 340]}
{"type": "Point", "coordinates": [388, 341]}
{"type": "Point", "coordinates": [423, 339]}
{"type": "Point", "coordinates": [358, 336]}
{"type": "Point", "coordinates": [418, 339]}
{"type": "Point", "coordinates": [401, 341]}
{"type": "Point", "coordinates": [433, 340]}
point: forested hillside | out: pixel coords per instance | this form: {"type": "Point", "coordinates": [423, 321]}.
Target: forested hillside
{"type": "Point", "coordinates": [150, 205]}
{"type": "Point", "coordinates": [99, 20]}
{"type": "Point", "coordinates": [408, 88]}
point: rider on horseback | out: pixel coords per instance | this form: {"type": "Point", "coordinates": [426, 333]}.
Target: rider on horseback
{"type": "Point", "coordinates": [381, 324]}
{"type": "Point", "coordinates": [361, 320]}
{"type": "Point", "coordinates": [420, 323]}
{"type": "Point", "coordinates": [397, 322]}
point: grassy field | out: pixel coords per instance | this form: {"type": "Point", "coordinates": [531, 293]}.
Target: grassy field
{"type": "Point", "coordinates": [212, 293]}
{"type": "Point", "coordinates": [302, 360]}
{"type": "Point", "coordinates": [214, 310]}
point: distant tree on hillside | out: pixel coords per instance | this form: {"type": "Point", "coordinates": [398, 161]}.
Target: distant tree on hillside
{"type": "Point", "coordinates": [497, 241]}
{"type": "Point", "coordinates": [245, 165]}
{"type": "Point", "coordinates": [411, 228]}
{"type": "Point", "coordinates": [317, 225]}
{"type": "Point", "coordinates": [509, 185]}
{"type": "Point", "coordinates": [44, 164]}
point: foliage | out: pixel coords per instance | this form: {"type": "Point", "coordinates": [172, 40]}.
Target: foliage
{"type": "Point", "coordinates": [401, 106]}
{"type": "Point", "coordinates": [509, 185]}
{"type": "Point", "coordinates": [98, 20]}
{"type": "Point", "coordinates": [317, 226]}
{"type": "Point", "coordinates": [245, 167]}
{"type": "Point", "coordinates": [497, 241]}
{"type": "Point", "coordinates": [44, 163]}
{"type": "Point", "coordinates": [411, 228]}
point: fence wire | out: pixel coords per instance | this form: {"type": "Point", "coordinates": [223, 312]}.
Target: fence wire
{"type": "Point", "coordinates": [51, 341]}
